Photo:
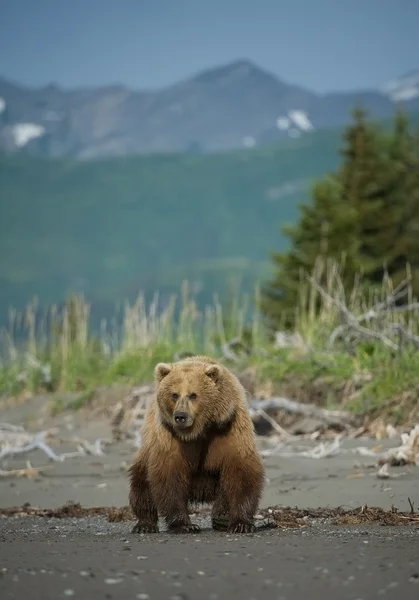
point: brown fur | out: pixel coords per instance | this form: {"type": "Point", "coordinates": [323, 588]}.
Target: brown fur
{"type": "Point", "coordinates": [212, 460]}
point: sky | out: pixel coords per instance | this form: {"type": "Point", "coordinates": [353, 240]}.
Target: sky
{"type": "Point", "coordinates": [323, 45]}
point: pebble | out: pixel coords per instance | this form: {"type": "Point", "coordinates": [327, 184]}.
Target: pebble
{"type": "Point", "coordinates": [68, 593]}
{"type": "Point", "coordinates": [112, 581]}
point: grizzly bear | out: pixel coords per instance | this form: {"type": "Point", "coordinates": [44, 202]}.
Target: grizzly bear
{"type": "Point", "coordinates": [198, 447]}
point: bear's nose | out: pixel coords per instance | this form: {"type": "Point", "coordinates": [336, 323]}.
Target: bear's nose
{"type": "Point", "coordinates": [180, 417]}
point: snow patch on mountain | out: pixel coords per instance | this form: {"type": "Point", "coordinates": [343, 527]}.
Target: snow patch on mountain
{"type": "Point", "coordinates": [403, 89]}
{"type": "Point", "coordinates": [296, 122]}
{"type": "Point", "coordinates": [24, 132]}
{"type": "Point", "coordinates": [301, 120]}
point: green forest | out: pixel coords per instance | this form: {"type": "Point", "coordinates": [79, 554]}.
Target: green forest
{"type": "Point", "coordinates": [113, 228]}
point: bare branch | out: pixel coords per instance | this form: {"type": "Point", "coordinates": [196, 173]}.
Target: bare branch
{"type": "Point", "coordinates": [331, 417]}
{"type": "Point", "coordinates": [353, 325]}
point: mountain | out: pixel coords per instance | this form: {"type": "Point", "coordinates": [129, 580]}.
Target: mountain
{"type": "Point", "coordinates": [229, 107]}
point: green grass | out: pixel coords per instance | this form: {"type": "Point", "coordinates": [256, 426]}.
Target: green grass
{"type": "Point", "coordinates": [367, 378]}
{"type": "Point", "coordinates": [390, 378]}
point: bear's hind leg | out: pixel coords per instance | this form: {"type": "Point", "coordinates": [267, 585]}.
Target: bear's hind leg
{"type": "Point", "coordinates": [140, 499]}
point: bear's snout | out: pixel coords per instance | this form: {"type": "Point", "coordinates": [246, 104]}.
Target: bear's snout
{"type": "Point", "coordinates": [181, 418]}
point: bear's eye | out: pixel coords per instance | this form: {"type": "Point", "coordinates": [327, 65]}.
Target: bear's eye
{"type": "Point", "coordinates": [192, 396]}
{"type": "Point", "coordinates": [175, 396]}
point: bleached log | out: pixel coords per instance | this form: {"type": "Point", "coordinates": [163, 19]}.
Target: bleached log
{"type": "Point", "coordinates": [331, 417]}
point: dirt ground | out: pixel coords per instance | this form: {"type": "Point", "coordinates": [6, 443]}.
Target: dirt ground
{"type": "Point", "coordinates": [90, 557]}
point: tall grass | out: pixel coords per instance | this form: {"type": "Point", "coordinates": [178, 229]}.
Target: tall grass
{"type": "Point", "coordinates": [57, 350]}
{"type": "Point", "coordinates": [318, 314]}
{"type": "Point", "coordinates": [362, 371]}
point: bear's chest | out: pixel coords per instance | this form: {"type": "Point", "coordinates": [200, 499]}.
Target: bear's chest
{"type": "Point", "coordinates": [196, 454]}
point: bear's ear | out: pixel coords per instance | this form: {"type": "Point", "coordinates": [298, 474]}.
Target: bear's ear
{"type": "Point", "coordinates": [161, 370]}
{"type": "Point", "coordinates": [213, 372]}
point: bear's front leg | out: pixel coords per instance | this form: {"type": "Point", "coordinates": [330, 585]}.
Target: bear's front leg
{"type": "Point", "coordinates": [242, 482]}
{"type": "Point", "coordinates": [140, 498]}
{"type": "Point", "coordinates": [220, 512]}
{"type": "Point", "coordinates": [170, 487]}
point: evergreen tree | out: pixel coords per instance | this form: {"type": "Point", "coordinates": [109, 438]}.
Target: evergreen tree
{"type": "Point", "coordinates": [388, 226]}
{"type": "Point", "coordinates": [363, 174]}
{"type": "Point", "coordinates": [398, 222]}
{"type": "Point", "coordinates": [367, 212]}
{"type": "Point", "coordinates": [326, 228]}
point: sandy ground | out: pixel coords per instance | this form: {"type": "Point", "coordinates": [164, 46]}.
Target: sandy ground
{"type": "Point", "coordinates": [91, 558]}
{"type": "Point", "coordinates": [348, 479]}
{"type": "Point", "coordinates": [345, 480]}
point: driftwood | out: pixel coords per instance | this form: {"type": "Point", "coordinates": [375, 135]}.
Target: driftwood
{"type": "Point", "coordinates": [330, 417]}
{"type": "Point", "coordinates": [29, 472]}
{"type": "Point", "coordinates": [128, 414]}
{"type": "Point", "coordinates": [405, 454]}
{"type": "Point", "coordinates": [356, 329]}
{"type": "Point", "coordinates": [14, 440]}
{"type": "Point", "coordinates": [321, 450]}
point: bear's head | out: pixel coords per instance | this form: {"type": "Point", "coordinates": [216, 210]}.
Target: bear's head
{"type": "Point", "coordinates": [194, 396]}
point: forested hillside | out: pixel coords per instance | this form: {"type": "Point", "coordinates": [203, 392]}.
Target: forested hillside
{"type": "Point", "coordinates": [111, 228]}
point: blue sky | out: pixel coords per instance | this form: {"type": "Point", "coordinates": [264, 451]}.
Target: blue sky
{"type": "Point", "coordinates": [320, 44]}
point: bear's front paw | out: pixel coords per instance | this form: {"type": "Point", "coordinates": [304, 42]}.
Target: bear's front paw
{"type": "Point", "coordinates": [241, 527]}
{"type": "Point", "coordinates": [145, 527]}
{"type": "Point", "coordinates": [220, 523]}
{"type": "Point", "coordinates": [185, 528]}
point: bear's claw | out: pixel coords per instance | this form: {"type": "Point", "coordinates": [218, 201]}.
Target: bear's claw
{"type": "Point", "coordinates": [191, 528]}
{"type": "Point", "coordinates": [241, 527]}
{"type": "Point", "coordinates": [142, 527]}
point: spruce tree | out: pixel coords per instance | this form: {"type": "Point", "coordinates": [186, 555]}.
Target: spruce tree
{"type": "Point", "coordinates": [327, 228]}
{"type": "Point", "coordinates": [399, 232]}
{"type": "Point", "coordinates": [363, 174]}
{"type": "Point", "coordinates": [367, 211]}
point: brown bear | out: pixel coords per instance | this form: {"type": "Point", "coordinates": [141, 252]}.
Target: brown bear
{"type": "Point", "coordinates": [198, 447]}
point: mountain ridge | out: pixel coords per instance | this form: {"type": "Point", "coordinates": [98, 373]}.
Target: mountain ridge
{"type": "Point", "coordinates": [235, 105]}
